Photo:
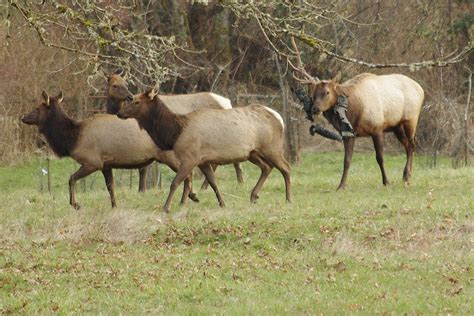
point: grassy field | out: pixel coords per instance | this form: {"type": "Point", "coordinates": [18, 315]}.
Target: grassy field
{"type": "Point", "coordinates": [368, 250]}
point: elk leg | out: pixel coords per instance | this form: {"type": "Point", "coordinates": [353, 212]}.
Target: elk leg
{"type": "Point", "coordinates": [410, 129]}
{"type": "Point", "coordinates": [284, 167]}
{"type": "Point", "coordinates": [378, 145]}
{"type": "Point", "coordinates": [191, 194]}
{"type": "Point", "coordinates": [402, 137]}
{"type": "Point", "coordinates": [187, 188]}
{"type": "Point", "coordinates": [266, 169]}
{"type": "Point", "coordinates": [142, 179]}
{"type": "Point", "coordinates": [109, 183]}
{"type": "Point", "coordinates": [239, 172]}
{"type": "Point", "coordinates": [181, 175]}
{"type": "Point", "coordinates": [83, 171]}
{"type": "Point", "coordinates": [209, 174]}
{"type": "Point", "coordinates": [174, 166]}
{"type": "Point", "coordinates": [348, 150]}
{"type": "Point", "coordinates": [205, 183]}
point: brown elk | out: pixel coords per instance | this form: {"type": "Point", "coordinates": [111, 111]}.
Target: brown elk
{"type": "Point", "coordinates": [377, 104]}
{"type": "Point", "coordinates": [209, 136]}
{"type": "Point", "coordinates": [101, 142]}
{"type": "Point", "coordinates": [187, 103]}
{"type": "Point", "coordinates": [117, 93]}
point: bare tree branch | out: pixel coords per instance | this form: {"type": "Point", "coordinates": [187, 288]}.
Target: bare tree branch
{"type": "Point", "coordinates": [278, 29]}
{"type": "Point", "coordinates": [95, 34]}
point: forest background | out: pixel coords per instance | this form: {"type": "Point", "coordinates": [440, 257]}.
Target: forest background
{"type": "Point", "coordinates": [240, 49]}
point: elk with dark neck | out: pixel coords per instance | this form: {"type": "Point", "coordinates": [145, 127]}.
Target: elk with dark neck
{"type": "Point", "coordinates": [101, 142]}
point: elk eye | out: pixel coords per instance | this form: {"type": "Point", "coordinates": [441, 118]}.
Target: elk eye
{"type": "Point", "coordinates": [115, 86]}
{"type": "Point", "coordinates": [327, 92]}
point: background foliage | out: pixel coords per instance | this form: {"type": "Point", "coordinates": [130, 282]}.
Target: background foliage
{"type": "Point", "coordinates": [229, 47]}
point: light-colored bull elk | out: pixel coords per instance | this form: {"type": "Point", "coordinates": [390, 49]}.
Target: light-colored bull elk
{"type": "Point", "coordinates": [101, 142]}
{"type": "Point", "coordinates": [209, 136]}
{"type": "Point", "coordinates": [377, 104]}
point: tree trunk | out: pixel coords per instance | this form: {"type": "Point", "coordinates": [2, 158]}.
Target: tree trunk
{"type": "Point", "coordinates": [291, 137]}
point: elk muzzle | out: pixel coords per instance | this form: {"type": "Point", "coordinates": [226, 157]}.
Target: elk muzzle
{"type": "Point", "coordinates": [30, 118]}
{"type": "Point", "coordinates": [124, 113]}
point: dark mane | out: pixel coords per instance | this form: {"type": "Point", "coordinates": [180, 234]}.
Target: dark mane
{"type": "Point", "coordinates": [113, 105]}
{"type": "Point", "coordinates": [163, 125]}
{"type": "Point", "coordinates": [60, 130]}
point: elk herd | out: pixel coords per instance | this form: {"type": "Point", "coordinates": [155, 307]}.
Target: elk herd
{"type": "Point", "coordinates": [203, 130]}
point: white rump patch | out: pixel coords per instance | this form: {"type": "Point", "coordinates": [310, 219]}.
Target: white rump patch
{"type": "Point", "coordinates": [277, 115]}
{"type": "Point", "coordinates": [224, 102]}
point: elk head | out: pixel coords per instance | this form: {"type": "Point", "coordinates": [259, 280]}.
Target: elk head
{"type": "Point", "coordinates": [140, 106]}
{"type": "Point", "coordinates": [39, 115]}
{"type": "Point", "coordinates": [323, 94]}
{"type": "Point", "coordinates": [117, 87]}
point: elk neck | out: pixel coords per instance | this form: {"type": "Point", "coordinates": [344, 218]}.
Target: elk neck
{"type": "Point", "coordinates": [113, 105]}
{"type": "Point", "coordinates": [164, 126]}
{"type": "Point", "coordinates": [61, 131]}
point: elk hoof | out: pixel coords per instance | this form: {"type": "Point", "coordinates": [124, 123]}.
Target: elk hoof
{"type": "Point", "coordinates": [222, 204]}
{"type": "Point", "coordinates": [254, 198]}
{"type": "Point", "coordinates": [76, 206]}
{"type": "Point", "coordinates": [341, 188]}
{"type": "Point", "coordinates": [193, 197]}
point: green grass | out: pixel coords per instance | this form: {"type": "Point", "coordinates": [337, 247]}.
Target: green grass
{"type": "Point", "coordinates": [368, 250]}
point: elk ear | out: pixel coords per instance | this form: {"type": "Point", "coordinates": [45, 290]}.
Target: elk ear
{"type": "Point", "coordinates": [45, 98]}
{"type": "Point", "coordinates": [59, 98]}
{"type": "Point", "coordinates": [151, 93]}
{"type": "Point", "coordinates": [119, 71]}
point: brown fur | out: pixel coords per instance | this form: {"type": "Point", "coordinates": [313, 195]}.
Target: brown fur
{"type": "Point", "coordinates": [377, 104]}
{"type": "Point", "coordinates": [164, 126]}
{"type": "Point", "coordinates": [178, 104]}
{"type": "Point", "coordinates": [187, 103]}
{"type": "Point", "coordinates": [117, 93]}
{"type": "Point", "coordinates": [101, 142]}
{"type": "Point", "coordinates": [205, 136]}
{"type": "Point", "coordinates": [63, 132]}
